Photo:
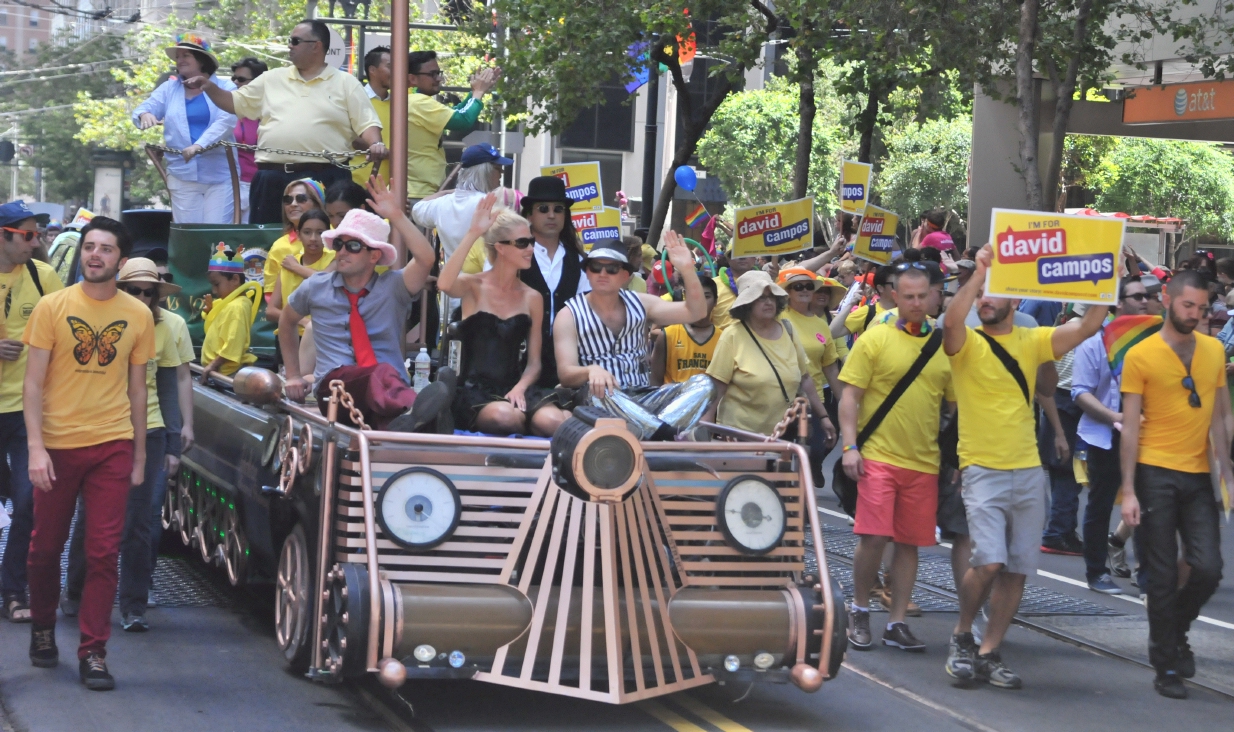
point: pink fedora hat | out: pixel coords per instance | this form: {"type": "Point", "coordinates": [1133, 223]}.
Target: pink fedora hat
{"type": "Point", "coordinates": [368, 228]}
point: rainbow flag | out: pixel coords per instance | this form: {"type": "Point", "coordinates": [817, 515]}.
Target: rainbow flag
{"type": "Point", "coordinates": [697, 216]}
{"type": "Point", "coordinates": [1124, 332]}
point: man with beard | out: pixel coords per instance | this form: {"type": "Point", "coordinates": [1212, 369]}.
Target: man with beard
{"type": "Point", "coordinates": [1095, 389]}
{"type": "Point", "coordinates": [1174, 397]}
{"type": "Point", "coordinates": [89, 345]}
{"type": "Point", "coordinates": [994, 371]}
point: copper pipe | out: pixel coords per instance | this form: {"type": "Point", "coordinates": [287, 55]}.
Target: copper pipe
{"type": "Point", "coordinates": [399, 46]}
{"type": "Point", "coordinates": [156, 157]}
{"type": "Point", "coordinates": [370, 550]}
{"type": "Point", "coordinates": [236, 213]}
{"type": "Point", "coordinates": [824, 575]}
{"type": "Point", "coordinates": [325, 512]}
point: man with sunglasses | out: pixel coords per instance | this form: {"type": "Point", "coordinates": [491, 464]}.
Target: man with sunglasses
{"type": "Point", "coordinates": [1095, 390]}
{"type": "Point", "coordinates": [1174, 399]}
{"type": "Point", "coordinates": [307, 107]}
{"type": "Point", "coordinates": [23, 282]}
{"type": "Point", "coordinates": [428, 119]}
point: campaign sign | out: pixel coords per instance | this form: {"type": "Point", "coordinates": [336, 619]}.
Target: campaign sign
{"type": "Point", "coordinates": [876, 236]}
{"type": "Point", "coordinates": [582, 184]}
{"type": "Point", "coordinates": [592, 226]}
{"type": "Point", "coordinates": [854, 187]}
{"type": "Point", "coordinates": [1049, 256]}
{"type": "Point", "coordinates": [774, 228]}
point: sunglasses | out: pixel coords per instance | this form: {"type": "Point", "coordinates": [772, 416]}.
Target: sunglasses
{"type": "Point", "coordinates": [142, 291]}
{"type": "Point", "coordinates": [1194, 398]}
{"type": "Point", "coordinates": [298, 198]}
{"type": "Point", "coordinates": [598, 267]}
{"type": "Point", "coordinates": [238, 80]}
{"type": "Point", "coordinates": [906, 266]}
{"type": "Point", "coordinates": [522, 242]}
{"type": "Point", "coordinates": [167, 277]}
{"type": "Point", "coordinates": [296, 40]}
{"type": "Point", "coordinates": [29, 235]}
{"type": "Point", "coordinates": [545, 208]}
{"type": "Point", "coordinates": [1138, 297]}
{"type": "Point", "coordinates": [434, 74]}
{"type": "Point", "coordinates": [801, 286]}
{"type": "Point", "coordinates": [355, 246]}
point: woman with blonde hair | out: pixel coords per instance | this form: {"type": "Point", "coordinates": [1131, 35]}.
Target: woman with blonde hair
{"type": "Point", "coordinates": [299, 197]}
{"type": "Point", "coordinates": [500, 329]}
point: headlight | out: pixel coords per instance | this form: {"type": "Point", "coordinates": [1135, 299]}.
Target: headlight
{"type": "Point", "coordinates": [595, 457]}
{"type": "Point", "coordinates": [751, 515]}
{"type": "Point", "coordinates": [418, 508]}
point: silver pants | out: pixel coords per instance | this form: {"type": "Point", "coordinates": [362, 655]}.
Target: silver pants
{"type": "Point", "coordinates": [680, 406]}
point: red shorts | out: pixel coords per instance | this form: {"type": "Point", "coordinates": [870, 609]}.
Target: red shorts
{"type": "Point", "coordinates": [897, 502]}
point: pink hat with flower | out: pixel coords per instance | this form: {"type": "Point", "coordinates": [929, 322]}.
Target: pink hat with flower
{"type": "Point", "coordinates": [368, 228]}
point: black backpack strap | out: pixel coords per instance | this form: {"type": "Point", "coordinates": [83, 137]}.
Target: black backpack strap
{"type": "Point", "coordinates": [769, 363]}
{"type": "Point", "coordinates": [873, 311]}
{"type": "Point", "coordinates": [34, 275]}
{"type": "Point", "coordinates": [1009, 363]}
{"type": "Point", "coordinates": [927, 352]}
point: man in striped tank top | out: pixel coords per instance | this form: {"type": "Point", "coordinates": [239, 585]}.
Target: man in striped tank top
{"type": "Point", "coordinates": [601, 339]}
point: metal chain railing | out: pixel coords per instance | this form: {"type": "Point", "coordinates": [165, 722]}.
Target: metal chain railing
{"type": "Point", "coordinates": [799, 411]}
{"type": "Point", "coordinates": [338, 159]}
{"type": "Point", "coordinates": [338, 390]}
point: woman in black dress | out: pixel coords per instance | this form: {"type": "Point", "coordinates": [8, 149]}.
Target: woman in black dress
{"type": "Point", "coordinates": [501, 331]}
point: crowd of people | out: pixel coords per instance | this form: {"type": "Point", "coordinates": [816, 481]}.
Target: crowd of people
{"type": "Point", "coordinates": [954, 414]}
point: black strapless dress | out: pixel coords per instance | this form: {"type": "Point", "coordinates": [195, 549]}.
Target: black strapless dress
{"type": "Point", "coordinates": [492, 364]}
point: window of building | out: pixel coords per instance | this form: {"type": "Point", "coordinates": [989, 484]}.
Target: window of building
{"type": "Point", "coordinates": [4, 17]}
{"type": "Point", "coordinates": [4, 41]}
{"type": "Point", "coordinates": [606, 126]}
{"type": "Point", "coordinates": [34, 45]}
{"type": "Point", "coordinates": [610, 169]}
{"type": "Point", "coordinates": [34, 18]}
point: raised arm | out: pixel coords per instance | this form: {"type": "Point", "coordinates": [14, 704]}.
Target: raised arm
{"type": "Point", "coordinates": [387, 206]}
{"type": "Point", "coordinates": [221, 97]}
{"type": "Point", "coordinates": [662, 312]}
{"type": "Point", "coordinates": [1075, 332]}
{"type": "Point", "coordinates": [954, 330]}
{"type": "Point", "coordinates": [451, 279]}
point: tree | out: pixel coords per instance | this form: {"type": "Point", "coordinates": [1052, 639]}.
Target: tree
{"type": "Point", "coordinates": [927, 166]}
{"type": "Point", "coordinates": [752, 147]}
{"type": "Point", "coordinates": [1193, 181]}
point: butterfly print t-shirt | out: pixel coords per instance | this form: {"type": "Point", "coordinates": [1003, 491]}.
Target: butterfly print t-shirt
{"type": "Point", "coordinates": [92, 344]}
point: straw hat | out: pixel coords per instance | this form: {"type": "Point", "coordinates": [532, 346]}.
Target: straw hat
{"type": "Point", "coordinates": [142, 270]}
{"type": "Point", "coordinates": [368, 228]}
{"type": "Point", "coordinates": [191, 42]}
{"type": "Point", "coordinates": [752, 284]}
{"type": "Point", "coordinates": [838, 290]}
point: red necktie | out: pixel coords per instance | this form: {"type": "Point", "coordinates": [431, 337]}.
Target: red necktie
{"type": "Point", "coordinates": [359, 333]}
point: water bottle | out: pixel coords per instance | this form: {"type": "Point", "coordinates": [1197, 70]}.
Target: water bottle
{"type": "Point", "coordinates": [423, 366]}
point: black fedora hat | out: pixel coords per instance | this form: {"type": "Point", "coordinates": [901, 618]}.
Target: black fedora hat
{"type": "Point", "coordinates": [546, 189]}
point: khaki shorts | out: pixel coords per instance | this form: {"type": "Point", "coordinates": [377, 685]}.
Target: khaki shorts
{"type": "Point", "coordinates": [1006, 513]}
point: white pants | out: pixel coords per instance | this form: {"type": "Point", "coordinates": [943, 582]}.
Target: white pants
{"type": "Point", "coordinates": [200, 203]}
{"type": "Point", "coordinates": [244, 202]}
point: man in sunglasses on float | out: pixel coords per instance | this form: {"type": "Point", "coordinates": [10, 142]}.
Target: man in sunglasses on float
{"type": "Point", "coordinates": [601, 342]}
{"type": "Point", "coordinates": [23, 282]}
{"type": "Point", "coordinates": [359, 320]}
{"type": "Point", "coordinates": [1174, 402]}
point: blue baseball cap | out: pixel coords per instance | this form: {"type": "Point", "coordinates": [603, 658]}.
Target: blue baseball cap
{"type": "Point", "coordinates": [15, 212]}
{"type": "Point", "coordinates": [483, 153]}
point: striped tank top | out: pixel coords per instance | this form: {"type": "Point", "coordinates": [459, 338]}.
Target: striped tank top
{"type": "Point", "coordinates": [624, 354]}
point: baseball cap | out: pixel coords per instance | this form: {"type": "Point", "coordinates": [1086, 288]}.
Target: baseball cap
{"type": "Point", "coordinates": [609, 249]}
{"type": "Point", "coordinates": [483, 153]}
{"type": "Point", "coordinates": [17, 211]}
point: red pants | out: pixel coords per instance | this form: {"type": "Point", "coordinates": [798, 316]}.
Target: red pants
{"type": "Point", "coordinates": [377, 391]}
{"type": "Point", "coordinates": [100, 473]}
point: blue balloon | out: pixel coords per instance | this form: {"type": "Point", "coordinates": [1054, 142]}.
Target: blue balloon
{"type": "Point", "coordinates": [685, 177]}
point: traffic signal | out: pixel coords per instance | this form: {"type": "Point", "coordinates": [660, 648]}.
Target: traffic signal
{"type": "Point", "coordinates": [7, 151]}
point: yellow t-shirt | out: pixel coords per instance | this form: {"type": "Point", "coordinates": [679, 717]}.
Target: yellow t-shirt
{"type": "Point", "coordinates": [754, 401]}
{"type": "Point", "coordinates": [325, 113]}
{"type": "Point", "coordinates": [166, 355]}
{"type": "Point", "coordinates": [281, 247]}
{"type": "Point", "coordinates": [92, 344]}
{"type": "Point", "coordinates": [908, 436]}
{"type": "Point", "coordinates": [477, 257]}
{"type": "Point", "coordinates": [290, 280]}
{"type": "Point", "coordinates": [426, 158]}
{"type": "Point", "coordinates": [180, 335]}
{"type": "Point", "coordinates": [997, 429]}
{"type": "Point", "coordinates": [724, 300]}
{"type": "Point", "coordinates": [1173, 434]}
{"type": "Point", "coordinates": [228, 330]}
{"type": "Point", "coordinates": [361, 175]}
{"type": "Point", "coordinates": [856, 320]}
{"type": "Point", "coordinates": [637, 284]}
{"type": "Point", "coordinates": [685, 357]}
{"type": "Point", "coordinates": [19, 296]}
{"type": "Point", "coordinates": [815, 337]}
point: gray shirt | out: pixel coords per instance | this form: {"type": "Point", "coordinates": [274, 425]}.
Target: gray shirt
{"type": "Point", "coordinates": [385, 309]}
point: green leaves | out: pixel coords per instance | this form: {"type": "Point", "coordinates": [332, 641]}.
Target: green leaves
{"type": "Point", "coordinates": [926, 166]}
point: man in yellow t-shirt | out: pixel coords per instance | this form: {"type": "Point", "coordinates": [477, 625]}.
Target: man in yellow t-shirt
{"type": "Point", "coordinates": [377, 70]}
{"type": "Point", "coordinates": [85, 406]}
{"type": "Point", "coordinates": [896, 468]}
{"type": "Point", "coordinates": [1175, 408]}
{"type": "Point", "coordinates": [23, 282]}
{"type": "Point", "coordinates": [1004, 484]}
{"type": "Point", "coordinates": [685, 349]}
{"type": "Point", "coordinates": [428, 119]}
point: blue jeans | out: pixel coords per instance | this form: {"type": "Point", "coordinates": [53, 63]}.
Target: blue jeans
{"type": "Point", "coordinates": [1064, 491]}
{"type": "Point", "coordinates": [136, 567]}
{"type": "Point", "coordinates": [21, 490]}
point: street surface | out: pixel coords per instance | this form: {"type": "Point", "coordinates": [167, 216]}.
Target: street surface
{"type": "Point", "coordinates": [216, 667]}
